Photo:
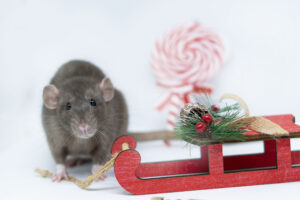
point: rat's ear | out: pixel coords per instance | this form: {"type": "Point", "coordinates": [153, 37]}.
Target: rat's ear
{"type": "Point", "coordinates": [107, 89]}
{"type": "Point", "coordinates": [50, 96]}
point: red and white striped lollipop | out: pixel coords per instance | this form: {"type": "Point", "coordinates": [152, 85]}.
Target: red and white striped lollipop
{"type": "Point", "coordinates": [183, 60]}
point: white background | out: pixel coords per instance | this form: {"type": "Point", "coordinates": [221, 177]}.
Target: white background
{"type": "Point", "coordinates": [36, 37]}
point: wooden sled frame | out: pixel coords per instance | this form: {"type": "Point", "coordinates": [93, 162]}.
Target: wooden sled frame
{"type": "Point", "coordinates": [277, 164]}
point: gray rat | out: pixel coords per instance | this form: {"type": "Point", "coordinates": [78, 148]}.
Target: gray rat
{"type": "Point", "coordinates": [82, 115]}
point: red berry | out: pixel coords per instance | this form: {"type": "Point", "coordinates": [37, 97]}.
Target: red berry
{"type": "Point", "coordinates": [207, 118]}
{"type": "Point", "coordinates": [215, 107]}
{"type": "Point", "coordinates": [200, 127]}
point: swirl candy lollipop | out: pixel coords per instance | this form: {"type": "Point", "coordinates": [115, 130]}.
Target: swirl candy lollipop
{"type": "Point", "coordinates": [183, 60]}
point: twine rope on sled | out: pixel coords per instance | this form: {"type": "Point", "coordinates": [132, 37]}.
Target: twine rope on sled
{"type": "Point", "coordinates": [259, 124]}
{"type": "Point", "coordinates": [90, 179]}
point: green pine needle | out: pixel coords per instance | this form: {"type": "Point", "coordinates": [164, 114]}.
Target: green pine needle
{"type": "Point", "coordinates": [220, 130]}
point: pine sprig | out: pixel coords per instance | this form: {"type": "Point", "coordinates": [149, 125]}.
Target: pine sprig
{"type": "Point", "coordinates": [221, 129]}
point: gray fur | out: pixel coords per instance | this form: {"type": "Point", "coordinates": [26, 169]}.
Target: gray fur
{"type": "Point", "coordinates": [77, 82]}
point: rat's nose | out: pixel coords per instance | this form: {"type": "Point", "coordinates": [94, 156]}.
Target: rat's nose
{"type": "Point", "coordinates": [84, 128]}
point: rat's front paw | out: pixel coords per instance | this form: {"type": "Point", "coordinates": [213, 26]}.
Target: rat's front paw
{"type": "Point", "coordinates": [95, 169]}
{"type": "Point", "coordinates": [61, 173]}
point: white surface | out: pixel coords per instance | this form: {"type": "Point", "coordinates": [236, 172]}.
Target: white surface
{"type": "Point", "coordinates": [36, 37]}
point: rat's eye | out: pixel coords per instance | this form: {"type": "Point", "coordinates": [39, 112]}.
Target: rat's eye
{"type": "Point", "coordinates": [68, 106]}
{"type": "Point", "coordinates": [93, 102]}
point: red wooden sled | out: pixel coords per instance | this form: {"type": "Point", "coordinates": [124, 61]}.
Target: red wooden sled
{"type": "Point", "coordinates": [277, 164]}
